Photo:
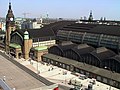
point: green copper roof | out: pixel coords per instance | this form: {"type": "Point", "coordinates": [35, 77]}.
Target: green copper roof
{"type": "Point", "coordinates": [14, 45]}
{"type": "Point", "coordinates": [26, 32]}
{"type": "Point", "coordinates": [40, 48]}
{"type": "Point", "coordinates": [26, 35]}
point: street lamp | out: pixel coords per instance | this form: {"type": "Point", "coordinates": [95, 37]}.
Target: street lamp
{"type": "Point", "coordinates": [110, 76]}
{"type": "Point", "coordinates": [37, 68]}
{"type": "Point", "coordinates": [38, 72]}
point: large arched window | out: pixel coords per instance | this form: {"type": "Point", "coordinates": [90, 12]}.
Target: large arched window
{"type": "Point", "coordinates": [92, 59]}
{"type": "Point", "coordinates": [56, 50]}
{"type": "Point", "coordinates": [112, 63]}
{"type": "Point", "coordinates": [17, 38]}
{"type": "Point", "coordinates": [71, 54]}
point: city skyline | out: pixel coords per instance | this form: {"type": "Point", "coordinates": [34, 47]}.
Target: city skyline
{"type": "Point", "coordinates": [63, 9]}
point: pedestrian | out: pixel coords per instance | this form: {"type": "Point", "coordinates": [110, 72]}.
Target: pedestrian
{"type": "Point", "coordinates": [52, 68]}
{"type": "Point", "coordinates": [49, 69]}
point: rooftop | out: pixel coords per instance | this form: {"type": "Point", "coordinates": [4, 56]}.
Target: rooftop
{"type": "Point", "coordinates": [14, 45]}
{"type": "Point", "coordinates": [40, 48]}
{"type": "Point", "coordinates": [94, 28]}
{"type": "Point", "coordinates": [49, 30]}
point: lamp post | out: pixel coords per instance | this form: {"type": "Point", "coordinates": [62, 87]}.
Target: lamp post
{"type": "Point", "coordinates": [37, 66]}
{"type": "Point", "coordinates": [38, 72]}
{"type": "Point", "coordinates": [110, 76]}
{"type": "Point", "coordinates": [9, 55]}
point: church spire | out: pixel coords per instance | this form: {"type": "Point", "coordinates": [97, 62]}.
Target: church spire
{"type": "Point", "coordinates": [10, 15]}
{"type": "Point", "coordinates": [9, 5]}
{"type": "Point", "coordinates": [10, 9]}
{"type": "Point", "coordinates": [10, 12]}
{"type": "Point", "coordinates": [90, 16]}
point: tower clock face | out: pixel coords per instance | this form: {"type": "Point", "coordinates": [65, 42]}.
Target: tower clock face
{"type": "Point", "coordinates": [11, 19]}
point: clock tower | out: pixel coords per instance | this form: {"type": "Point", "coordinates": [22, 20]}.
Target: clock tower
{"type": "Point", "coordinates": [10, 26]}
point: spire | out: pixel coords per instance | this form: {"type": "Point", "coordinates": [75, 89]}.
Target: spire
{"type": "Point", "coordinates": [10, 13]}
{"type": "Point", "coordinates": [9, 5]}
{"type": "Point", "coordinates": [90, 16]}
{"type": "Point", "coordinates": [91, 12]}
{"type": "Point", "coordinates": [10, 16]}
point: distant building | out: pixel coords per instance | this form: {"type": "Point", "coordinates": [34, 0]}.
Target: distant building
{"type": "Point", "coordinates": [18, 22]}
{"type": "Point", "coordinates": [37, 23]}
{"type": "Point", "coordinates": [2, 26]}
{"type": "Point", "coordinates": [31, 24]}
{"type": "Point", "coordinates": [27, 25]}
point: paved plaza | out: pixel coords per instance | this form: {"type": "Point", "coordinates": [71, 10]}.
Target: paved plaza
{"type": "Point", "coordinates": [16, 77]}
{"type": "Point", "coordinates": [56, 75]}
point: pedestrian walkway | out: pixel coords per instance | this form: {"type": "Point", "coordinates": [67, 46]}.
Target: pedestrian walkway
{"type": "Point", "coordinates": [61, 76]}
{"type": "Point", "coordinates": [17, 78]}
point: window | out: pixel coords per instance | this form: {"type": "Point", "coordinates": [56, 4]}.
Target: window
{"type": "Point", "coordinates": [104, 80]}
{"type": "Point", "coordinates": [60, 64]}
{"type": "Point", "coordinates": [68, 67]}
{"type": "Point", "coordinates": [44, 59]}
{"type": "Point", "coordinates": [63, 66]}
{"type": "Point", "coordinates": [87, 74]}
{"type": "Point", "coordinates": [99, 78]}
{"type": "Point", "coordinates": [56, 63]}
{"type": "Point", "coordinates": [48, 60]}
{"type": "Point", "coordinates": [111, 82]}
{"type": "Point", "coordinates": [81, 71]}
{"type": "Point", "coordinates": [52, 62]}
{"type": "Point", "coordinates": [77, 70]}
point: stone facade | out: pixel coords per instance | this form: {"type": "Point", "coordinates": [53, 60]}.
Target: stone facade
{"type": "Point", "coordinates": [27, 47]}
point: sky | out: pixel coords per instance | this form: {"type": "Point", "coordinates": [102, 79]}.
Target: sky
{"type": "Point", "coordinates": [63, 8]}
